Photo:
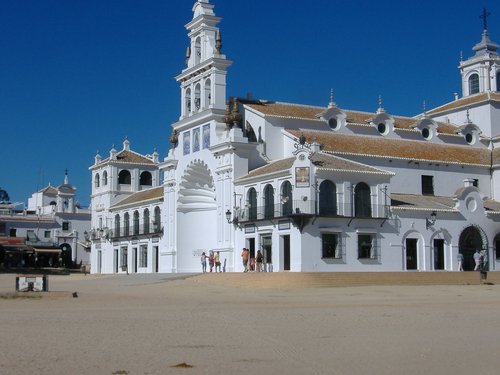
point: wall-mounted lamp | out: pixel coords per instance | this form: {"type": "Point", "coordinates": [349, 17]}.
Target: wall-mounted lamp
{"type": "Point", "coordinates": [430, 222]}
{"type": "Point", "coordinates": [228, 218]}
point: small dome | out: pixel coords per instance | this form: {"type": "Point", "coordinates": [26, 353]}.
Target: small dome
{"type": "Point", "coordinates": [4, 196]}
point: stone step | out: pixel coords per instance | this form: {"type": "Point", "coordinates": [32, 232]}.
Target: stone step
{"type": "Point", "coordinates": [337, 279]}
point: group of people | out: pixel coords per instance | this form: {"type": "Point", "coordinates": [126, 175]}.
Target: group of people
{"type": "Point", "coordinates": [213, 261]}
{"type": "Point", "coordinates": [255, 263]}
{"type": "Point", "coordinates": [480, 261]}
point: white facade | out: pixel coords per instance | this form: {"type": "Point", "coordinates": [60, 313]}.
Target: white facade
{"type": "Point", "coordinates": [314, 188]}
{"type": "Point", "coordinates": [52, 219]}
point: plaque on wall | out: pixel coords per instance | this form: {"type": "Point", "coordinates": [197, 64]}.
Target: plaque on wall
{"type": "Point", "coordinates": [186, 142]}
{"type": "Point", "coordinates": [249, 228]}
{"type": "Point", "coordinates": [302, 177]}
{"type": "Point", "coordinates": [206, 136]}
{"type": "Point", "coordinates": [196, 139]}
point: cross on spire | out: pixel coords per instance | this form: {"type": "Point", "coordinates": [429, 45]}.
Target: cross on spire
{"type": "Point", "coordinates": [484, 16]}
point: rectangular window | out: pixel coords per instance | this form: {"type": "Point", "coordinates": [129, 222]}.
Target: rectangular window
{"type": "Point", "coordinates": [46, 234]}
{"type": "Point", "coordinates": [366, 246]}
{"type": "Point", "coordinates": [330, 245]}
{"type": "Point", "coordinates": [30, 235]}
{"type": "Point", "coordinates": [143, 260]}
{"type": "Point", "coordinates": [66, 226]}
{"type": "Point", "coordinates": [475, 182]}
{"type": "Point", "coordinates": [427, 185]}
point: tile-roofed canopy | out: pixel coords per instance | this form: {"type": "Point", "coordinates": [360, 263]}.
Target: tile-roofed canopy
{"type": "Point", "coordinates": [286, 110]}
{"type": "Point", "coordinates": [492, 205]}
{"type": "Point", "coordinates": [331, 162]}
{"type": "Point", "coordinates": [273, 167]}
{"type": "Point", "coordinates": [127, 156]}
{"type": "Point", "coordinates": [141, 196]}
{"type": "Point", "coordinates": [341, 144]}
{"type": "Point", "coordinates": [422, 202]}
{"type": "Point", "coordinates": [466, 101]}
{"type": "Point", "coordinates": [495, 157]}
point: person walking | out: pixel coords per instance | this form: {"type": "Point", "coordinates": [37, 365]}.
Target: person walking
{"type": "Point", "coordinates": [211, 260]}
{"type": "Point", "coordinates": [217, 262]}
{"type": "Point", "coordinates": [204, 262]}
{"type": "Point", "coordinates": [460, 259]}
{"type": "Point", "coordinates": [477, 259]}
{"type": "Point", "coordinates": [258, 260]}
{"type": "Point", "coordinates": [244, 257]}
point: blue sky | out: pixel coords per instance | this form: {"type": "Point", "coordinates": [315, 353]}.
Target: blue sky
{"type": "Point", "coordinates": [78, 76]}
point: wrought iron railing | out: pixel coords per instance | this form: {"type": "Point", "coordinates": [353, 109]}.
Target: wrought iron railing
{"type": "Point", "coordinates": [310, 207]}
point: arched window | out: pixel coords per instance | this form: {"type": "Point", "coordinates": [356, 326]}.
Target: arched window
{"type": "Point", "coordinates": [97, 180]}
{"type": "Point", "coordinates": [117, 225]}
{"type": "Point", "coordinates": [327, 198]}
{"type": "Point", "coordinates": [286, 198]}
{"type": "Point", "coordinates": [157, 220]}
{"type": "Point", "coordinates": [252, 204]}
{"type": "Point", "coordinates": [126, 224]}
{"type": "Point", "coordinates": [145, 220]}
{"type": "Point", "coordinates": [124, 177]}
{"type": "Point", "coordinates": [146, 179]}
{"type": "Point", "coordinates": [268, 202]}
{"type": "Point", "coordinates": [362, 200]}
{"type": "Point", "coordinates": [197, 51]}
{"type": "Point", "coordinates": [104, 178]}
{"type": "Point", "coordinates": [208, 93]}
{"type": "Point", "coordinates": [498, 81]}
{"type": "Point", "coordinates": [136, 223]}
{"type": "Point", "coordinates": [473, 84]}
{"type": "Point", "coordinates": [197, 97]}
{"type": "Point", "coordinates": [187, 100]}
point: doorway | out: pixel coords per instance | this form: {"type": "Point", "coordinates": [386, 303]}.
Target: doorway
{"type": "Point", "coordinates": [115, 261]}
{"type": "Point", "coordinates": [411, 254]}
{"type": "Point", "coordinates": [155, 258]}
{"type": "Point", "coordinates": [438, 254]}
{"type": "Point", "coordinates": [470, 241]}
{"type": "Point", "coordinates": [266, 244]}
{"type": "Point", "coordinates": [286, 252]}
{"type": "Point", "coordinates": [134, 259]}
{"type": "Point", "coordinates": [99, 261]}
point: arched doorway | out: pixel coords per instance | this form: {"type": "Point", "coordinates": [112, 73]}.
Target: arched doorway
{"type": "Point", "coordinates": [65, 257]}
{"type": "Point", "coordinates": [471, 240]}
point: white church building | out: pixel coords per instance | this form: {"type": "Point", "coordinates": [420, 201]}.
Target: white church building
{"type": "Point", "coordinates": [314, 188]}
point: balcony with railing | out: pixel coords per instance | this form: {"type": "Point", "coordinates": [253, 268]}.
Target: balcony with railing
{"type": "Point", "coordinates": [310, 208]}
{"type": "Point", "coordinates": [127, 231]}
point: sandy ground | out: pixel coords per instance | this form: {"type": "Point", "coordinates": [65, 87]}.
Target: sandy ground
{"type": "Point", "coordinates": [148, 324]}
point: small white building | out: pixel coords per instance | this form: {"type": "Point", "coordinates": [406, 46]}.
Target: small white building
{"type": "Point", "coordinates": [53, 224]}
{"type": "Point", "coordinates": [313, 188]}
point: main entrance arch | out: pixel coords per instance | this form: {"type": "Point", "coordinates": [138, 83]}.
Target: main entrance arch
{"type": "Point", "coordinates": [472, 238]}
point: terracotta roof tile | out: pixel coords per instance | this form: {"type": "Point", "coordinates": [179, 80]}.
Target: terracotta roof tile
{"type": "Point", "coordinates": [495, 157]}
{"type": "Point", "coordinates": [357, 117]}
{"type": "Point", "coordinates": [142, 196]}
{"type": "Point", "coordinates": [422, 202]}
{"type": "Point", "coordinates": [331, 162]}
{"type": "Point", "coordinates": [492, 205]}
{"type": "Point", "coordinates": [341, 144]}
{"type": "Point", "coordinates": [478, 98]}
{"type": "Point", "coordinates": [127, 156]}
{"type": "Point", "coordinates": [273, 167]}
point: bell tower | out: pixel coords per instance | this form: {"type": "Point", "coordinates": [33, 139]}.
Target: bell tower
{"type": "Point", "coordinates": [481, 72]}
{"type": "Point", "coordinates": [203, 81]}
